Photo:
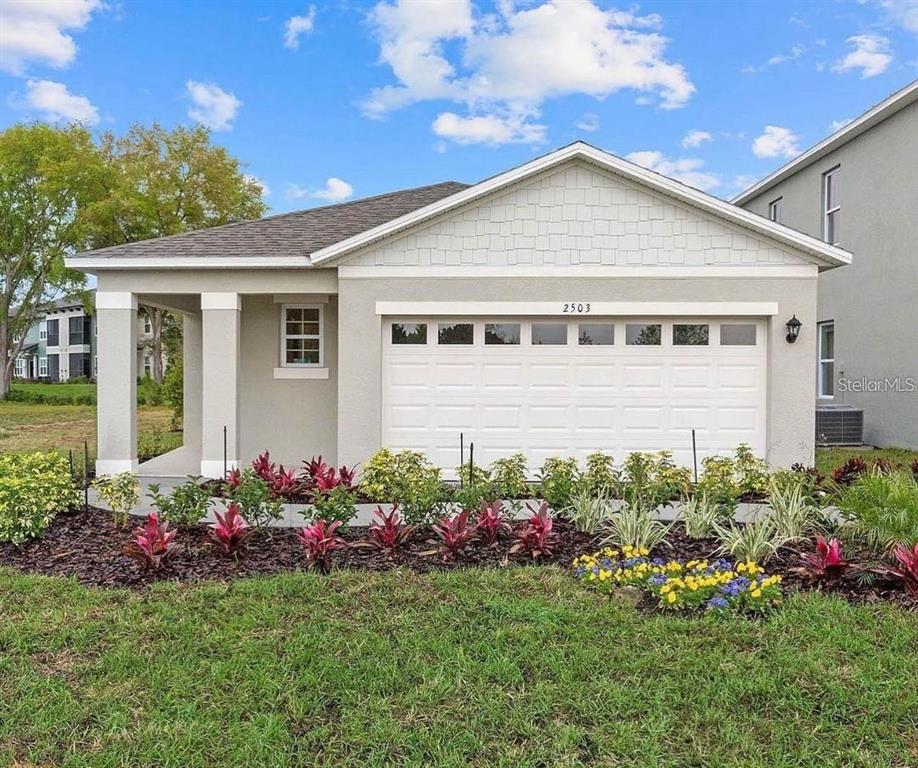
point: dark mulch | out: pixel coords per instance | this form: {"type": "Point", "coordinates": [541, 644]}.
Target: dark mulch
{"type": "Point", "coordinates": [89, 547]}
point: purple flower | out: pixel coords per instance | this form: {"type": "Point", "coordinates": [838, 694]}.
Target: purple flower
{"type": "Point", "coordinates": [717, 602]}
{"type": "Point", "coordinates": [657, 580]}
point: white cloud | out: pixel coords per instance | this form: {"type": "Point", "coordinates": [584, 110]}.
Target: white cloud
{"type": "Point", "coordinates": [776, 141]}
{"type": "Point", "coordinates": [334, 191]}
{"type": "Point", "coordinates": [901, 12]}
{"type": "Point", "coordinates": [837, 125]}
{"type": "Point", "coordinates": [779, 58]}
{"type": "Point", "coordinates": [870, 55]}
{"type": "Point", "coordinates": [589, 122]}
{"type": "Point", "coordinates": [34, 31]}
{"type": "Point", "coordinates": [487, 129]}
{"type": "Point", "coordinates": [212, 106]}
{"type": "Point", "coordinates": [296, 26]}
{"type": "Point", "coordinates": [685, 169]}
{"type": "Point", "coordinates": [743, 181]}
{"type": "Point", "coordinates": [55, 103]}
{"type": "Point", "coordinates": [695, 138]}
{"type": "Point", "coordinates": [253, 179]}
{"type": "Point", "coordinates": [509, 62]}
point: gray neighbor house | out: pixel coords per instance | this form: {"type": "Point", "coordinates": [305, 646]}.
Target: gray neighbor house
{"type": "Point", "coordinates": [858, 189]}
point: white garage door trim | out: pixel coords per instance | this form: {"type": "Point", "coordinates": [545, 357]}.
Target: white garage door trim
{"type": "Point", "coordinates": [572, 399]}
{"type": "Point", "coordinates": [579, 307]}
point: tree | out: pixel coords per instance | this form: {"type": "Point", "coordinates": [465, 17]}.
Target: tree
{"type": "Point", "coordinates": [164, 183]}
{"type": "Point", "coordinates": [49, 178]}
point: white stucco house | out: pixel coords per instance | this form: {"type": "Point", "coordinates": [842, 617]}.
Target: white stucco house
{"type": "Point", "coordinates": [572, 304]}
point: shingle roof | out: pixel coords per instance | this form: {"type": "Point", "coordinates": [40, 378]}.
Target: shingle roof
{"type": "Point", "coordinates": [288, 234]}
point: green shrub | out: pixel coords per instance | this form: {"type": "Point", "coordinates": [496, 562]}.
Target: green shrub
{"type": "Point", "coordinates": [335, 505]}
{"type": "Point", "coordinates": [256, 504]}
{"type": "Point", "coordinates": [424, 501]}
{"type": "Point", "coordinates": [186, 505]}
{"type": "Point", "coordinates": [717, 481]}
{"type": "Point", "coordinates": [34, 487]}
{"type": "Point", "coordinates": [470, 497]}
{"type": "Point", "coordinates": [558, 478]}
{"type": "Point", "coordinates": [174, 390]}
{"type": "Point", "coordinates": [472, 474]}
{"type": "Point", "coordinates": [150, 444]}
{"type": "Point", "coordinates": [652, 479]}
{"type": "Point", "coordinates": [881, 510]}
{"type": "Point", "coordinates": [508, 476]}
{"type": "Point", "coordinates": [149, 392]}
{"type": "Point", "coordinates": [751, 472]}
{"type": "Point", "coordinates": [397, 477]}
{"type": "Point", "coordinates": [601, 478]}
{"type": "Point", "coordinates": [121, 492]}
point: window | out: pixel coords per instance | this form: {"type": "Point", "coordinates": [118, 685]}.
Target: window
{"type": "Point", "coordinates": [737, 335]}
{"type": "Point", "coordinates": [456, 333]}
{"type": "Point", "coordinates": [831, 198]}
{"type": "Point", "coordinates": [20, 367]}
{"type": "Point", "coordinates": [554, 334]}
{"type": "Point", "coordinates": [42, 366]}
{"type": "Point", "coordinates": [596, 334]}
{"type": "Point", "coordinates": [502, 333]}
{"type": "Point", "coordinates": [643, 335]}
{"type": "Point", "coordinates": [826, 373]}
{"type": "Point", "coordinates": [409, 333]}
{"type": "Point", "coordinates": [690, 335]}
{"type": "Point", "coordinates": [42, 331]}
{"type": "Point", "coordinates": [79, 329]}
{"type": "Point", "coordinates": [301, 335]}
{"type": "Point", "coordinates": [53, 333]}
{"type": "Point", "coordinates": [80, 365]}
{"type": "Point", "coordinates": [147, 326]}
{"type": "Point", "coordinates": [776, 210]}
{"type": "Point", "coordinates": [54, 368]}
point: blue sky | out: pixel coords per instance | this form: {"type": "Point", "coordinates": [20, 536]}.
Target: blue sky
{"type": "Point", "coordinates": [330, 101]}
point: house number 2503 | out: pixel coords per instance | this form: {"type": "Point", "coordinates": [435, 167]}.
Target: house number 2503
{"type": "Point", "coordinates": [576, 308]}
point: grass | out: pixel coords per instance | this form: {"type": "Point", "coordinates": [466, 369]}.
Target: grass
{"type": "Point", "coordinates": [518, 667]}
{"type": "Point", "coordinates": [828, 459]}
{"type": "Point", "coordinates": [65, 390]}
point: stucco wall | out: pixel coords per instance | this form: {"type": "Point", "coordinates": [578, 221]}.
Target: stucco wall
{"type": "Point", "coordinates": [790, 419]}
{"type": "Point", "coordinates": [874, 301]}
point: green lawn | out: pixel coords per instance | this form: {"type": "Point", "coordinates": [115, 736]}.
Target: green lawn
{"type": "Point", "coordinates": [828, 459]}
{"type": "Point", "coordinates": [519, 667]}
{"type": "Point", "coordinates": [65, 390]}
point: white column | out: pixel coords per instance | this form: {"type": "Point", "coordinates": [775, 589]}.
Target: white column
{"type": "Point", "coordinates": [220, 313]}
{"type": "Point", "coordinates": [191, 368]}
{"type": "Point", "coordinates": [116, 318]}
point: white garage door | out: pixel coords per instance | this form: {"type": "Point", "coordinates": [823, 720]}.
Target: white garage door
{"type": "Point", "coordinates": [550, 387]}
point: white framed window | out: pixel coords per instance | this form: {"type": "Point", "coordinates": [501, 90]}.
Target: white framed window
{"type": "Point", "coordinates": [776, 210]}
{"type": "Point", "coordinates": [831, 201]}
{"type": "Point", "coordinates": [20, 367]}
{"type": "Point", "coordinates": [826, 354]}
{"type": "Point", "coordinates": [302, 327]}
{"type": "Point", "coordinates": [42, 366]}
{"type": "Point", "coordinates": [147, 326]}
{"type": "Point", "coordinates": [42, 331]}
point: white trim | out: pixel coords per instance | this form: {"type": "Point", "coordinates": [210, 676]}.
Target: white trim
{"type": "Point", "coordinates": [231, 301]}
{"type": "Point", "coordinates": [293, 298]}
{"type": "Point", "coordinates": [832, 175]}
{"type": "Point", "coordinates": [471, 271]}
{"type": "Point", "coordinates": [115, 300]}
{"type": "Point", "coordinates": [877, 114]}
{"type": "Point", "coordinates": [596, 309]}
{"type": "Point", "coordinates": [300, 372]}
{"type": "Point", "coordinates": [820, 360]}
{"type": "Point", "coordinates": [214, 467]}
{"type": "Point", "coordinates": [820, 252]}
{"type": "Point", "coordinates": [776, 210]}
{"type": "Point", "coordinates": [92, 263]}
{"type": "Point", "coordinates": [284, 336]}
{"type": "Point", "coordinates": [115, 466]}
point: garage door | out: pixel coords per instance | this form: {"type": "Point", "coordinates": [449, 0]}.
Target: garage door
{"type": "Point", "coordinates": [550, 387]}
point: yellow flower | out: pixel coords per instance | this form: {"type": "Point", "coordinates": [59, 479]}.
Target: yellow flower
{"type": "Point", "coordinates": [671, 598]}
{"type": "Point", "coordinates": [756, 593]}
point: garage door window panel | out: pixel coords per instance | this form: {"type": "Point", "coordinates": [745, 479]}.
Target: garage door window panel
{"type": "Point", "coordinates": [596, 334]}
{"type": "Point", "coordinates": [643, 334]}
{"type": "Point", "coordinates": [690, 335]}
{"type": "Point", "coordinates": [737, 335]}
{"type": "Point", "coordinates": [462, 334]}
{"type": "Point", "coordinates": [502, 334]}
{"type": "Point", "coordinates": [552, 334]}
{"type": "Point", "coordinates": [409, 333]}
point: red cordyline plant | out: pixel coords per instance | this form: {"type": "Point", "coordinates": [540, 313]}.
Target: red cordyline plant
{"type": "Point", "coordinates": [907, 571]}
{"type": "Point", "coordinates": [850, 471]}
{"type": "Point", "coordinates": [233, 478]}
{"type": "Point", "coordinates": [490, 522]}
{"type": "Point", "coordinates": [153, 542]}
{"type": "Point", "coordinates": [389, 533]}
{"type": "Point", "coordinates": [230, 530]}
{"type": "Point", "coordinates": [324, 477]}
{"type": "Point", "coordinates": [281, 481]}
{"type": "Point", "coordinates": [320, 540]}
{"type": "Point", "coordinates": [535, 535]}
{"type": "Point", "coordinates": [455, 534]}
{"type": "Point", "coordinates": [827, 560]}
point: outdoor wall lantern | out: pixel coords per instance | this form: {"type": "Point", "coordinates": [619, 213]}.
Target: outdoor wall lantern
{"type": "Point", "coordinates": [793, 329]}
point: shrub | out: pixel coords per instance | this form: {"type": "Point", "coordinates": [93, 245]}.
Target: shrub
{"type": "Point", "coordinates": [793, 512]}
{"type": "Point", "coordinates": [472, 474]}
{"type": "Point", "coordinates": [756, 541]}
{"type": "Point", "coordinates": [601, 478]}
{"type": "Point", "coordinates": [652, 479]}
{"type": "Point", "coordinates": [699, 515]}
{"type": "Point", "coordinates": [281, 481]}
{"type": "Point", "coordinates": [490, 522]}
{"type": "Point", "coordinates": [881, 510]}
{"type": "Point", "coordinates": [907, 570]}
{"type": "Point", "coordinates": [389, 532]}
{"type": "Point", "coordinates": [174, 389]}
{"type": "Point", "coordinates": [470, 497]}
{"type": "Point", "coordinates": [423, 501]}
{"type": "Point", "coordinates": [558, 478]}
{"type": "Point", "coordinates": [714, 586]}
{"type": "Point", "coordinates": [827, 559]}
{"type": "Point", "coordinates": [717, 481]}
{"type": "Point", "coordinates": [149, 392]}
{"type": "Point", "coordinates": [153, 542]}
{"type": "Point", "coordinates": [850, 471]}
{"type": "Point", "coordinates": [34, 487]}
{"type": "Point", "coordinates": [807, 477]}
{"type": "Point", "coordinates": [152, 444]}
{"type": "Point", "coordinates": [121, 492]}
{"type": "Point", "coordinates": [633, 526]}
{"type": "Point", "coordinates": [398, 477]}
{"type": "Point", "coordinates": [186, 505]}
{"type": "Point", "coordinates": [253, 495]}
{"type": "Point", "coordinates": [455, 534]}
{"type": "Point", "coordinates": [319, 541]}
{"type": "Point", "coordinates": [336, 505]}
{"type": "Point", "coordinates": [508, 476]}
{"type": "Point", "coordinates": [915, 470]}
{"type": "Point", "coordinates": [230, 530]}
{"type": "Point", "coordinates": [588, 508]}
{"type": "Point", "coordinates": [751, 472]}
{"type": "Point", "coordinates": [535, 535]}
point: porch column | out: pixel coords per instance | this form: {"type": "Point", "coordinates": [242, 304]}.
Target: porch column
{"type": "Point", "coordinates": [219, 381]}
{"type": "Point", "coordinates": [116, 389]}
{"type": "Point", "coordinates": [191, 371]}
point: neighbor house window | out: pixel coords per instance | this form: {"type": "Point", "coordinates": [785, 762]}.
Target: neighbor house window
{"type": "Point", "coordinates": [831, 199]}
{"type": "Point", "coordinates": [42, 331]}
{"type": "Point", "coordinates": [53, 333]}
{"type": "Point", "coordinates": [301, 335]}
{"type": "Point", "coordinates": [42, 366]}
{"type": "Point", "coordinates": [502, 333]}
{"type": "Point", "coordinates": [776, 210]}
{"type": "Point", "coordinates": [456, 333]}
{"type": "Point", "coordinates": [826, 373]}
{"type": "Point", "coordinates": [409, 333]}
{"type": "Point", "coordinates": [554, 334]}
{"type": "Point", "coordinates": [79, 329]}
{"type": "Point", "coordinates": [640, 335]}
{"type": "Point", "coordinates": [690, 335]}
{"type": "Point", "coordinates": [20, 367]}
{"type": "Point", "coordinates": [596, 334]}
{"type": "Point", "coordinates": [737, 335]}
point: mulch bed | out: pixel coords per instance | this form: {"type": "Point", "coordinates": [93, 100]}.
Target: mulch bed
{"type": "Point", "coordinates": [86, 545]}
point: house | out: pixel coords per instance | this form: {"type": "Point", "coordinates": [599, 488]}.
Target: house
{"type": "Point", "coordinates": [61, 344]}
{"type": "Point", "coordinates": [858, 188]}
{"type": "Point", "coordinates": [572, 304]}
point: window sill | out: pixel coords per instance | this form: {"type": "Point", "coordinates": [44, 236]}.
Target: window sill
{"type": "Point", "coordinates": [301, 373]}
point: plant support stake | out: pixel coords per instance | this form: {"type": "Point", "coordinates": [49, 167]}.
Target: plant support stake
{"type": "Point", "coordinates": [461, 454]}
{"type": "Point", "coordinates": [694, 457]}
{"type": "Point", "coordinates": [85, 476]}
